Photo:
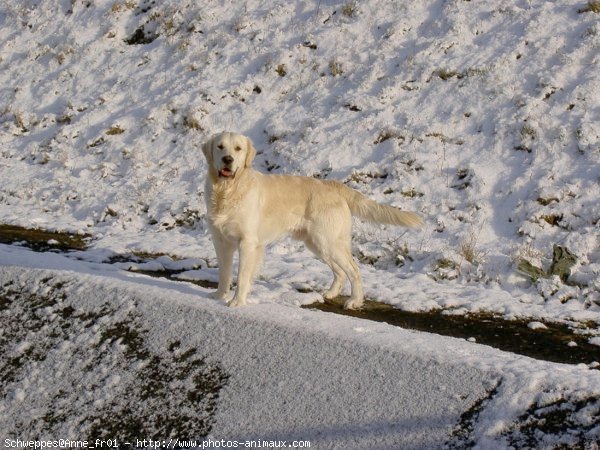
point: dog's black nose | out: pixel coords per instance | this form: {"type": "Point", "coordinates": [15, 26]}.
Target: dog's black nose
{"type": "Point", "coordinates": [227, 159]}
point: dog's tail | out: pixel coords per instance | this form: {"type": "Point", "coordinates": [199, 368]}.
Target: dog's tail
{"type": "Point", "coordinates": [371, 211]}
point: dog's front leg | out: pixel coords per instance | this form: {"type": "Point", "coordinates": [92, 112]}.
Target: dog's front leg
{"type": "Point", "coordinates": [246, 271]}
{"type": "Point", "coordinates": [225, 251]}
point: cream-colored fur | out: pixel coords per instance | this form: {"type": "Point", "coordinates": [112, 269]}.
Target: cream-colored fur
{"type": "Point", "coordinates": [248, 209]}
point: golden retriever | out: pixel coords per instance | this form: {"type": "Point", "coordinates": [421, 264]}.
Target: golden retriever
{"type": "Point", "coordinates": [248, 209]}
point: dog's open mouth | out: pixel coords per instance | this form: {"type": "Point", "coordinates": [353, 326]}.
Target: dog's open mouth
{"type": "Point", "coordinates": [225, 172]}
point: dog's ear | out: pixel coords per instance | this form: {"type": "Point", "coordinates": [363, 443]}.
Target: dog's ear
{"type": "Point", "coordinates": [250, 153]}
{"type": "Point", "coordinates": [207, 150]}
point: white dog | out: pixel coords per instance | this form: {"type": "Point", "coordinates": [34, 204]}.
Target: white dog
{"type": "Point", "coordinates": [248, 209]}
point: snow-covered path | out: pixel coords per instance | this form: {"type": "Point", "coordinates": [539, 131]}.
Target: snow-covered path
{"type": "Point", "coordinates": [291, 374]}
{"type": "Point", "coordinates": [481, 116]}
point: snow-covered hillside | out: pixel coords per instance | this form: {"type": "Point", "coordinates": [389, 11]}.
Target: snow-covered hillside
{"type": "Point", "coordinates": [482, 116]}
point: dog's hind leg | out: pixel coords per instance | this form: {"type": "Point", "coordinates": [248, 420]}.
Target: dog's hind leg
{"type": "Point", "coordinates": [342, 256]}
{"type": "Point", "coordinates": [338, 281]}
{"type": "Point", "coordinates": [338, 274]}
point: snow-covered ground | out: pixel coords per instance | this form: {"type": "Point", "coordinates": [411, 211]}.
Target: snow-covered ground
{"type": "Point", "coordinates": [484, 117]}
{"type": "Point", "coordinates": [93, 351]}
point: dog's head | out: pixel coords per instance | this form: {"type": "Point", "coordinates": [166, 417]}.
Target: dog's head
{"type": "Point", "coordinates": [227, 155]}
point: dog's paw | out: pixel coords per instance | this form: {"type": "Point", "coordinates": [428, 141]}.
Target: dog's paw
{"type": "Point", "coordinates": [353, 303]}
{"type": "Point", "coordinates": [330, 295]}
{"type": "Point", "coordinates": [235, 302]}
{"type": "Point", "coordinates": [218, 295]}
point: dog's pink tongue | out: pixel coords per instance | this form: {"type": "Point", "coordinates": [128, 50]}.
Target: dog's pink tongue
{"type": "Point", "coordinates": [225, 173]}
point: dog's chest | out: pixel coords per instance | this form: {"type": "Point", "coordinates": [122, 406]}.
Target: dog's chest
{"type": "Point", "coordinates": [225, 214]}
{"type": "Point", "coordinates": [227, 226]}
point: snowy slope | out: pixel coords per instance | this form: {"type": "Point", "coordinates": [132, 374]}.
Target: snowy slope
{"type": "Point", "coordinates": [281, 373]}
{"type": "Point", "coordinates": [482, 116]}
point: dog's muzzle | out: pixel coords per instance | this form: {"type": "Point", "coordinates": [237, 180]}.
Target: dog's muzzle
{"type": "Point", "coordinates": [226, 171]}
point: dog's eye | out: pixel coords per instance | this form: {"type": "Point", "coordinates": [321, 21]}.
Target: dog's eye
{"type": "Point", "coordinates": [220, 147]}
{"type": "Point", "coordinates": [238, 148]}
